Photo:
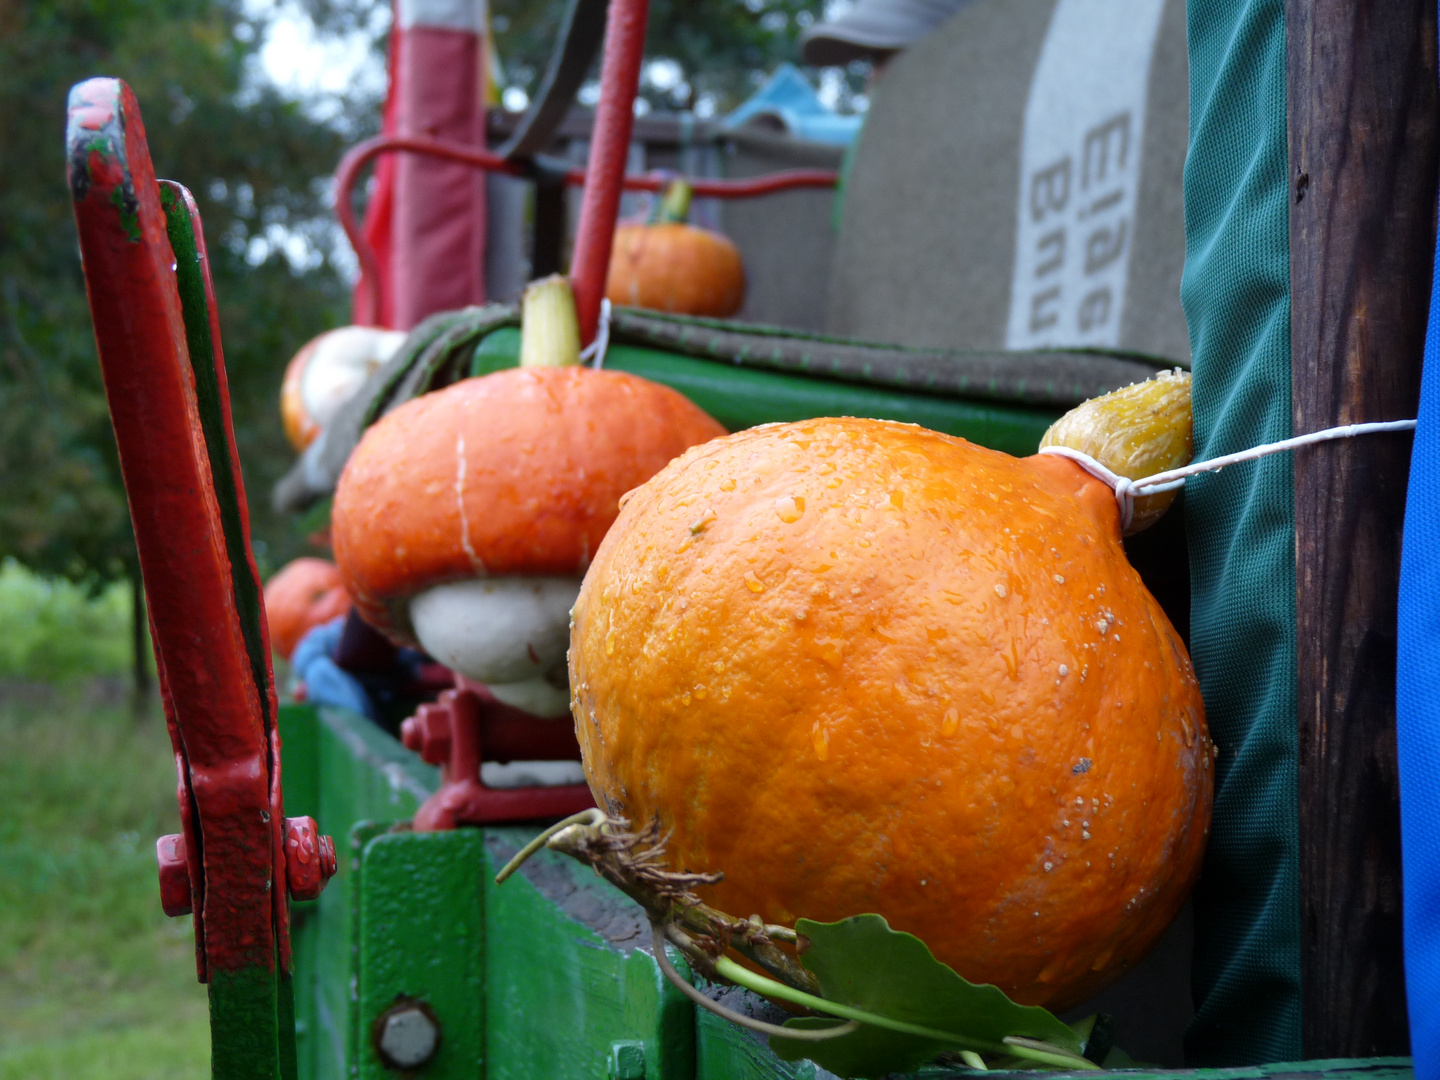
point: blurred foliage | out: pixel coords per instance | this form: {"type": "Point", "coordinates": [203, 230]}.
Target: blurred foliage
{"type": "Point", "coordinates": [95, 981]}
{"type": "Point", "coordinates": [705, 54]}
{"type": "Point", "coordinates": [259, 166]}
{"type": "Point", "coordinates": [57, 631]}
{"type": "Point", "coordinates": [720, 50]}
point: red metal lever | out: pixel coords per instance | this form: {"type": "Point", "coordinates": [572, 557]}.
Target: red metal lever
{"type": "Point", "coordinates": [158, 338]}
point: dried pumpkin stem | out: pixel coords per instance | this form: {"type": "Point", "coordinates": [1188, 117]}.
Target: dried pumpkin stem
{"type": "Point", "coordinates": [549, 327]}
{"type": "Point", "coordinates": [592, 817]}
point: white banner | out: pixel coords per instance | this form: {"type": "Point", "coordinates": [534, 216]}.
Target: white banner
{"type": "Point", "coordinates": [1080, 172]}
{"type": "Point", "coordinates": [450, 14]}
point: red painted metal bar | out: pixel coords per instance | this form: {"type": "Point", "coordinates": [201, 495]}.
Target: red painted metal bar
{"type": "Point", "coordinates": [209, 690]}
{"type": "Point", "coordinates": [363, 153]}
{"type": "Point", "coordinates": [157, 333]}
{"type": "Point", "coordinates": [609, 151]}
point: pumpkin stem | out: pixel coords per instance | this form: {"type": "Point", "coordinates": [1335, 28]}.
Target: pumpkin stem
{"type": "Point", "coordinates": [549, 327]}
{"type": "Point", "coordinates": [1136, 431]}
{"type": "Point", "coordinates": [674, 206]}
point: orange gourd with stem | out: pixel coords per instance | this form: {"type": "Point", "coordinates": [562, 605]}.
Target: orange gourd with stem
{"type": "Point", "coordinates": [668, 265]}
{"type": "Point", "coordinates": [859, 666]}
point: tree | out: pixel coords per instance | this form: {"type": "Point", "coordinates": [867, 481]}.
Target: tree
{"type": "Point", "coordinates": [707, 55]}
{"type": "Point", "coordinates": [258, 165]}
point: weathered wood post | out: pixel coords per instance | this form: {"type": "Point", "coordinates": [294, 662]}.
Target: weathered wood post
{"type": "Point", "coordinates": [1363, 157]}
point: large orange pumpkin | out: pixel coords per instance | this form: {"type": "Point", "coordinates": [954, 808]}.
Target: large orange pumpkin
{"type": "Point", "coordinates": [304, 594]}
{"type": "Point", "coordinates": [861, 666]}
{"type": "Point", "coordinates": [667, 265]}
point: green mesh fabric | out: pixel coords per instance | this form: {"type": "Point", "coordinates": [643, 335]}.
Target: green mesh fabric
{"type": "Point", "coordinates": [1240, 522]}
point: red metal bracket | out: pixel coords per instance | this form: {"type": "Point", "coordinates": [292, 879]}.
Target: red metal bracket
{"type": "Point", "coordinates": [158, 339]}
{"type": "Point", "coordinates": [469, 725]}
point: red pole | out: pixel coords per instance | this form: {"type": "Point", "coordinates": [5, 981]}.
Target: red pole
{"type": "Point", "coordinates": [609, 149]}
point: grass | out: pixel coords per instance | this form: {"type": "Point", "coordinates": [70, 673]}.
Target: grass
{"type": "Point", "coordinates": [94, 980]}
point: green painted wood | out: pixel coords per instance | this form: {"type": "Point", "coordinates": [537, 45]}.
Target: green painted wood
{"type": "Point", "coordinates": [346, 771]}
{"type": "Point", "coordinates": [743, 397]}
{"type": "Point", "coordinates": [724, 1051]}
{"type": "Point", "coordinates": [300, 749]}
{"type": "Point", "coordinates": [567, 976]}
{"type": "Point", "coordinates": [419, 937]}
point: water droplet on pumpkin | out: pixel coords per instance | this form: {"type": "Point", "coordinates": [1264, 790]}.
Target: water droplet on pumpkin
{"type": "Point", "coordinates": [610, 643]}
{"type": "Point", "coordinates": [753, 583]}
{"type": "Point", "coordinates": [728, 484]}
{"type": "Point", "coordinates": [1059, 579]}
{"type": "Point", "coordinates": [1001, 591]}
{"type": "Point", "coordinates": [790, 508]}
{"type": "Point", "coordinates": [821, 742]}
{"type": "Point", "coordinates": [951, 723]}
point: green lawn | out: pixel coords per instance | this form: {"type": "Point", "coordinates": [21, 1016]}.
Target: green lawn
{"type": "Point", "coordinates": [94, 980]}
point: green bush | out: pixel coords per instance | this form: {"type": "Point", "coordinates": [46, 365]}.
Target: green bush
{"type": "Point", "coordinates": [52, 630]}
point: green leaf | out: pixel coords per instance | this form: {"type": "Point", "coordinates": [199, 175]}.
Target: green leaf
{"type": "Point", "coordinates": [863, 963]}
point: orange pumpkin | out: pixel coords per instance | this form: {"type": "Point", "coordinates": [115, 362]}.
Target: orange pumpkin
{"type": "Point", "coordinates": [516, 472]}
{"type": "Point", "coordinates": [859, 666]}
{"type": "Point", "coordinates": [303, 595]}
{"type": "Point", "coordinates": [667, 265]}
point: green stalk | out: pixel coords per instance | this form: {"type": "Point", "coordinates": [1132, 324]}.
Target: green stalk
{"type": "Point", "coordinates": [1029, 1050]}
{"type": "Point", "coordinates": [549, 327]}
{"type": "Point", "coordinates": [674, 206]}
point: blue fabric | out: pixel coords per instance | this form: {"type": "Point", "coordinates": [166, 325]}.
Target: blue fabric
{"type": "Point", "coordinates": [788, 97]}
{"type": "Point", "coordinates": [1417, 713]}
{"type": "Point", "coordinates": [1240, 526]}
{"type": "Point", "coordinates": [326, 683]}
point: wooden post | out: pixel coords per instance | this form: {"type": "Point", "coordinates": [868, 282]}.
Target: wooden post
{"type": "Point", "coordinates": [1363, 159]}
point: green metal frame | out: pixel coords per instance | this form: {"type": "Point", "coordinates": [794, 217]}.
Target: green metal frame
{"type": "Point", "coordinates": [548, 976]}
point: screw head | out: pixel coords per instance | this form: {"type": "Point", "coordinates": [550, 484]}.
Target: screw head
{"type": "Point", "coordinates": [407, 1035]}
{"type": "Point", "coordinates": [627, 1060]}
{"type": "Point", "coordinates": [428, 732]}
{"type": "Point", "coordinates": [309, 858]}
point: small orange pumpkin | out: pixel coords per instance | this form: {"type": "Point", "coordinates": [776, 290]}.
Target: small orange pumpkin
{"type": "Point", "coordinates": [667, 265]}
{"type": "Point", "coordinates": [304, 594]}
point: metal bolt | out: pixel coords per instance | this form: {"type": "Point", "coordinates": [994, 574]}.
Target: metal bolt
{"type": "Point", "coordinates": [428, 733]}
{"type": "Point", "coordinates": [407, 1035]}
{"type": "Point", "coordinates": [627, 1060]}
{"type": "Point", "coordinates": [309, 858]}
{"type": "Point", "coordinates": [174, 875]}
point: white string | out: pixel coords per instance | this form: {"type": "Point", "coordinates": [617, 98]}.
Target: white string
{"type": "Point", "coordinates": [1127, 490]}
{"type": "Point", "coordinates": [596, 349]}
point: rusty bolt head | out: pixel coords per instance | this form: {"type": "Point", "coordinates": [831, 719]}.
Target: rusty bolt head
{"type": "Point", "coordinates": [406, 1035]}
{"type": "Point", "coordinates": [174, 875]}
{"type": "Point", "coordinates": [428, 733]}
{"type": "Point", "coordinates": [309, 858]}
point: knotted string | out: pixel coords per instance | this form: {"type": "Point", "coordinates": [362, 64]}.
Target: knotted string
{"type": "Point", "coordinates": [596, 349]}
{"type": "Point", "coordinates": [1127, 490]}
